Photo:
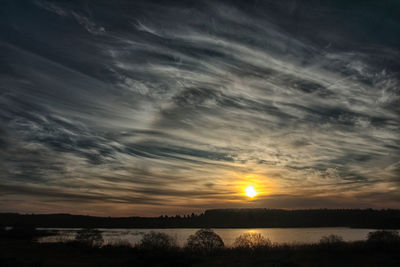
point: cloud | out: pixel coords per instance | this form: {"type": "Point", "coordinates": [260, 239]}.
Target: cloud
{"type": "Point", "coordinates": [143, 104]}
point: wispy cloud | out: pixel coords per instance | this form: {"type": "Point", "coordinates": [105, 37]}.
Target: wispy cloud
{"type": "Point", "coordinates": [144, 107]}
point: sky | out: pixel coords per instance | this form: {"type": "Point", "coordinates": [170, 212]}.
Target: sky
{"type": "Point", "coordinates": [144, 108]}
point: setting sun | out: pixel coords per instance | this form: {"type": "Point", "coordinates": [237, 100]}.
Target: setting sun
{"type": "Point", "coordinates": [250, 191]}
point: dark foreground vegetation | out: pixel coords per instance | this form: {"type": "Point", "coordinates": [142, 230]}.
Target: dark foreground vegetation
{"type": "Point", "coordinates": [204, 248]}
{"type": "Point", "coordinates": [220, 218]}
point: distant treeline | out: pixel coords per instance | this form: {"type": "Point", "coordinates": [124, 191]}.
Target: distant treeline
{"type": "Point", "coordinates": [219, 218]}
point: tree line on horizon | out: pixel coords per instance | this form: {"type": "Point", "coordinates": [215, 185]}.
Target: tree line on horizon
{"type": "Point", "coordinates": [220, 218]}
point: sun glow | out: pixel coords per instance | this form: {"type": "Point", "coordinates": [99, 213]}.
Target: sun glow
{"type": "Point", "coordinates": [250, 191]}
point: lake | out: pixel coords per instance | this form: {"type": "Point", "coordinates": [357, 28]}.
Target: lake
{"type": "Point", "coordinates": [228, 235]}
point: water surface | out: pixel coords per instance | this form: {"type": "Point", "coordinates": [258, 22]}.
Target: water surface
{"type": "Point", "coordinates": [228, 235]}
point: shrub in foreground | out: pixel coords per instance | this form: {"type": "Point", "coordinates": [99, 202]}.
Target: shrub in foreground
{"type": "Point", "coordinates": [383, 236]}
{"type": "Point", "coordinates": [157, 241]}
{"type": "Point", "coordinates": [26, 232]}
{"type": "Point", "coordinates": [251, 241]}
{"type": "Point", "coordinates": [90, 237]}
{"type": "Point", "coordinates": [204, 240]}
{"type": "Point", "coordinates": [119, 243]}
{"type": "Point", "coordinates": [331, 240]}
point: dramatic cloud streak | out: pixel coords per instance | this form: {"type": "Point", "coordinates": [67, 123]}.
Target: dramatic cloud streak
{"type": "Point", "coordinates": [133, 107]}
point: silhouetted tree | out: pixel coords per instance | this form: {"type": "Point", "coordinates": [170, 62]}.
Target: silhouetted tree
{"type": "Point", "coordinates": [2, 230]}
{"type": "Point", "coordinates": [383, 236]}
{"type": "Point", "coordinates": [251, 241]}
{"type": "Point", "coordinates": [204, 240]}
{"type": "Point", "coordinates": [89, 236]}
{"type": "Point", "coordinates": [26, 232]}
{"type": "Point", "coordinates": [331, 239]}
{"type": "Point", "coordinates": [156, 240]}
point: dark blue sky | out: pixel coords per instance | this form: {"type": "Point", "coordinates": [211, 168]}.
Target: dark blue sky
{"type": "Point", "coordinates": [163, 107]}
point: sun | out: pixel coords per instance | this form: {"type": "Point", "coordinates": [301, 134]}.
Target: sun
{"type": "Point", "coordinates": [250, 191]}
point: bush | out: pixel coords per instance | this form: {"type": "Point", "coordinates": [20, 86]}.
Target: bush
{"type": "Point", "coordinates": [251, 241]}
{"type": "Point", "coordinates": [119, 243]}
{"type": "Point", "coordinates": [2, 231]}
{"type": "Point", "coordinates": [25, 232]}
{"type": "Point", "coordinates": [383, 236]}
{"type": "Point", "coordinates": [90, 237]}
{"type": "Point", "coordinates": [159, 241]}
{"type": "Point", "coordinates": [331, 239]}
{"type": "Point", "coordinates": [204, 240]}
